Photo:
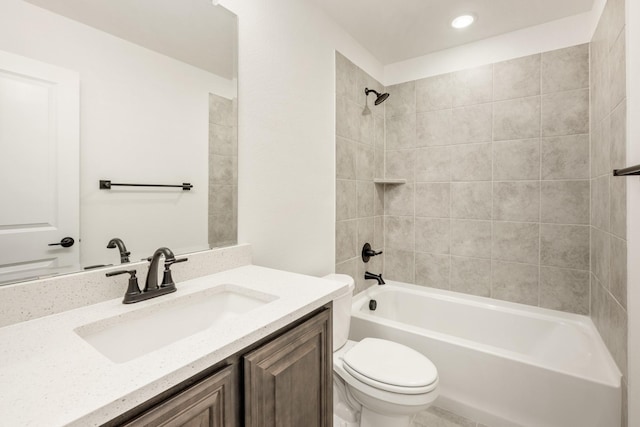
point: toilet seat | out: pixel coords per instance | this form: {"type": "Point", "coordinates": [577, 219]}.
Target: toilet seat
{"type": "Point", "coordinates": [390, 366]}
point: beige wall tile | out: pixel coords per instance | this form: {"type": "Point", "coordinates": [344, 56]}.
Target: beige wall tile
{"type": "Point", "coordinates": [433, 200]}
{"type": "Point", "coordinates": [346, 200]}
{"type": "Point", "coordinates": [366, 231]}
{"type": "Point", "coordinates": [565, 157]}
{"type": "Point", "coordinates": [618, 137]}
{"type": "Point", "coordinates": [432, 270]}
{"type": "Point", "coordinates": [471, 276]}
{"type": "Point", "coordinates": [399, 232]}
{"type": "Point", "coordinates": [345, 158]}
{"type": "Point", "coordinates": [516, 241]}
{"type": "Point", "coordinates": [471, 238]}
{"type": "Point", "coordinates": [618, 200]}
{"type": "Point", "coordinates": [564, 246]}
{"type": "Point", "coordinates": [399, 199]}
{"type": "Point", "coordinates": [565, 290]}
{"type": "Point", "coordinates": [618, 282]}
{"type": "Point", "coordinates": [366, 128]}
{"type": "Point", "coordinates": [365, 195]}
{"type": "Point", "coordinates": [378, 132]}
{"type": "Point", "coordinates": [399, 265]}
{"type": "Point", "coordinates": [348, 118]}
{"type": "Point", "coordinates": [472, 162]}
{"type": "Point", "coordinates": [617, 339]}
{"type": "Point", "coordinates": [516, 119]}
{"type": "Point", "coordinates": [400, 132]}
{"type": "Point", "coordinates": [516, 201]}
{"type": "Point", "coordinates": [471, 124]}
{"type": "Point", "coordinates": [400, 164]}
{"type": "Point", "coordinates": [601, 256]}
{"type": "Point", "coordinates": [617, 71]}
{"type": "Point", "coordinates": [517, 160]}
{"type": "Point", "coordinates": [600, 208]}
{"type": "Point", "coordinates": [472, 86]}
{"type": "Point", "coordinates": [517, 78]}
{"type": "Point", "coordinates": [223, 140]}
{"type": "Point", "coordinates": [565, 69]}
{"type": "Point", "coordinates": [433, 164]}
{"type": "Point", "coordinates": [224, 170]}
{"type": "Point", "coordinates": [515, 282]}
{"type": "Point", "coordinates": [346, 238]}
{"type": "Point", "coordinates": [601, 149]}
{"type": "Point", "coordinates": [402, 100]}
{"type": "Point", "coordinates": [565, 113]}
{"type": "Point", "coordinates": [346, 78]}
{"type": "Point", "coordinates": [434, 93]}
{"type": "Point", "coordinates": [565, 202]}
{"type": "Point", "coordinates": [365, 162]}
{"type": "Point", "coordinates": [432, 235]}
{"type": "Point", "coordinates": [434, 128]}
{"type": "Point", "coordinates": [471, 200]}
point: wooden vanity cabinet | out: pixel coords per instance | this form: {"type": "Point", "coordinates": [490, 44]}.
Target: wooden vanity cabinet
{"type": "Point", "coordinates": [209, 403]}
{"type": "Point", "coordinates": [285, 380]}
{"type": "Point", "coordinates": [288, 381]}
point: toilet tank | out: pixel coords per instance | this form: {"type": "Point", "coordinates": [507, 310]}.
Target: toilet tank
{"type": "Point", "coordinates": [341, 310]}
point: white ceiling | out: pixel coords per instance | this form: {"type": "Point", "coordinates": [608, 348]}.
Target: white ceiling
{"type": "Point", "coordinates": [396, 30]}
{"type": "Point", "coordinates": [192, 31]}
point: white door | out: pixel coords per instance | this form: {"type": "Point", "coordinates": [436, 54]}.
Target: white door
{"type": "Point", "coordinates": [39, 168]}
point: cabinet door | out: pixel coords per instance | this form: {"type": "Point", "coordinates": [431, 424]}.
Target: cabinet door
{"type": "Point", "coordinates": [288, 381]}
{"type": "Point", "coordinates": [208, 403]}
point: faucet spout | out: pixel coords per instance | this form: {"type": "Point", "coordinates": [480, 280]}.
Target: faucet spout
{"type": "Point", "coordinates": [124, 254]}
{"type": "Point", "coordinates": [371, 276]}
{"type": "Point", "coordinates": [152, 275]}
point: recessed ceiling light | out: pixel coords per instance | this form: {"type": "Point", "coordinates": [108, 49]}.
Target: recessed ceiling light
{"type": "Point", "coordinates": [463, 21]}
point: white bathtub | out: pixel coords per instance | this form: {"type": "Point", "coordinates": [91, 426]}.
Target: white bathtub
{"type": "Point", "coordinates": [501, 364]}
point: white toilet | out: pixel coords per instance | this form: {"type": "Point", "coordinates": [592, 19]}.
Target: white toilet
{"type": "Point", "coordinates": [376, 383]}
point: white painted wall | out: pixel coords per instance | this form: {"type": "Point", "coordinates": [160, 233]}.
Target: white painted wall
{"type": "Point", "coordinates": [287, 131]}
{"type": "Point", "coordinates": [144, 118]}
{"type": "Point", "coordinates": [559, 34]}
{"type": "Point", "coordinates": [633, 208]}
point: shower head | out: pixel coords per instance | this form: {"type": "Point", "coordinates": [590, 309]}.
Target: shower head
{"type": "Point", "coordinates": [381, 97]}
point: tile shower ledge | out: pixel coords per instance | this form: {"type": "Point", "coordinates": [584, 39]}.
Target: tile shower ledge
{"type": "Point", "coordinates": [50, 376]}
{"type": "Point", "coordinates": [389, 181]}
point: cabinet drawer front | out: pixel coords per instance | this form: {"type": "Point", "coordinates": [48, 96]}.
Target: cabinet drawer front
{"type": "Point", "coordinates": [210, 403]}
{"type": "Point", "coordinates": [288, 381]}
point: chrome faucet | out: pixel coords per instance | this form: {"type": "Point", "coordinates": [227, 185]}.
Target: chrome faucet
{"type": "Point", "coordinates": [378, 277]}
{"type": "Point", "coordinates": [124, 254]}
{"type": "Point", "coordinates": [151, 288]}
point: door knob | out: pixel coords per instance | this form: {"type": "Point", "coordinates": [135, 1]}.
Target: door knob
{"type": "Point", "coordinates": [66, 242]}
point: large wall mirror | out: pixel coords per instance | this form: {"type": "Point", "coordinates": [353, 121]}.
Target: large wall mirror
{"type": "Point", "coordinates": [129, 92]}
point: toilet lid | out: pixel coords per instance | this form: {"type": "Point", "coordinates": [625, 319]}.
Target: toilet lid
{"type": "Point", "coordinates": [390, 366]}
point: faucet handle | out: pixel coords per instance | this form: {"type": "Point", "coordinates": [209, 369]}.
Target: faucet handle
{"type": "Point", "coordinates": [167, 280]}
{"type": "Point", "coordinates": [170, 262]}
{"type": "Point", "coordinates": [133, 289]}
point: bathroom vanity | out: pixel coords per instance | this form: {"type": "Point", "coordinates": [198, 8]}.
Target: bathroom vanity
{"type": "Point", "coordinates": [285, 380]}
{"type": "Point", "coordinates": [261, 355]}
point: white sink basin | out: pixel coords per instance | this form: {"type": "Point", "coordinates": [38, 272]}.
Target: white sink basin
{"type": "Point", "coordinates": [136, 333]}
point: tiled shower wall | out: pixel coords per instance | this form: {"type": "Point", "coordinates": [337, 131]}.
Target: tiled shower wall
{"type": "Point", "coordinates": [223, 171]}
{"type": "Point", "coordinates": [608, 193]}
{"type": "Point", "coordinates": [497, 164]}
{"type": "Point", "coordinates": [359, 159]}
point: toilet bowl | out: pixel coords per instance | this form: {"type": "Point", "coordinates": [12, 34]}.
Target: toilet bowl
{"type": "Point", "coordinates": [377, 383]}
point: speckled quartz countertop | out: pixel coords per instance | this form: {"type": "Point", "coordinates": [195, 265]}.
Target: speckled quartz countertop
{"type": "Point", "coordinates": [50, 376]}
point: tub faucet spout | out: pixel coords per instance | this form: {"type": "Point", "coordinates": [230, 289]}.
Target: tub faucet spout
{"type": "Point", "coordinates": [378, 277]}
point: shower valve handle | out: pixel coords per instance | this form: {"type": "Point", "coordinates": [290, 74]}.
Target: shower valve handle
{"type": "Point", "coordinates": [367, 252]}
